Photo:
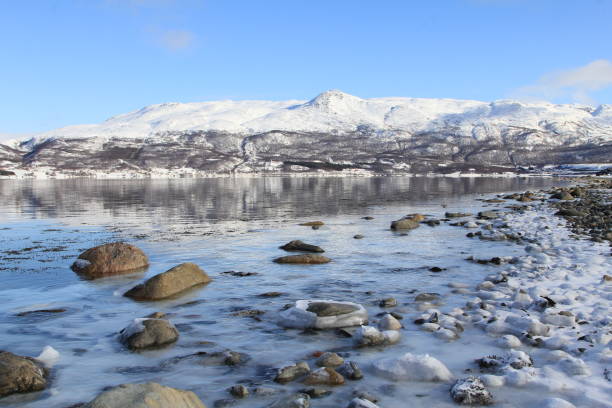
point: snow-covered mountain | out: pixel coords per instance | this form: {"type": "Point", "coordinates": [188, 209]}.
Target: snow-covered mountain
{"type": "Point", "coordinates": [334, 131]}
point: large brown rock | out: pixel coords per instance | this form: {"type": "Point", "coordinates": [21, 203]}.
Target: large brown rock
{"type": "Point", "coordinates": [170, 283]}
{"type": "Point", "coordinates": [149, 395]}
{"type": "Point", "coordinates": [110, 259]}
{"type": "Point", "coordinates": [303, 259]}
{"type": "Point", "coordinates": [20, 374]}
{"type": "Point", "coordinates": [298, 245]}
{"type": "Point", "coordinates": [404, 224]}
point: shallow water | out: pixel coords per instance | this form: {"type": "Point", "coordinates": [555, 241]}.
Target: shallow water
{"type": "Point", "coordinates": [233, 224]}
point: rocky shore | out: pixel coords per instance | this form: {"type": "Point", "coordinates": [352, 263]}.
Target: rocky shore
{"type": "Point", "coordinates": [542, 320]}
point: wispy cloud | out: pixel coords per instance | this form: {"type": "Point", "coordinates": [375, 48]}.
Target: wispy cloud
{"type": "Point", "coordinates": [576, 84]}
{"type": "Point", "coordinates": [175, 40]}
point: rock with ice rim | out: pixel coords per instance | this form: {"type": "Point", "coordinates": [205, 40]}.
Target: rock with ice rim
{"type": "Point", "coordinates": [371, 336]}
{"type": "Point", "coordinates": [470, 391]}
{"type": "Point", "coordinates": [412, 367]}
{"type": "Point", "coordinates": [323, 314]}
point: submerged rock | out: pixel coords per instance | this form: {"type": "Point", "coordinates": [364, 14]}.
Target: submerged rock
{"type": "Point", "coordinates": [21, 374]}
{"type": "Point", "coordinates": [299, 400]}
{"type": "Point", "coordinates": [149, 395]}
{"type": "Point", "coordinates": [298, 245]}
{"type": "Point", "coordinates": [412, 367]}
{"type": "Point", "coordinates": [324, 376]}
{"type": "Point", "coordinates": [405, 224]}
{"type": "Point", "coordinates": [470, 391]}
{"type": "Point", "coordinates": [388, 322]}
{"type": "Point", "coordinates": [303, 259]}
{"type": "Point", "coordinates": [350, 370]}
{"type": "Point", "coordinates": [110, 259]}
{"type": "Point", "coordinates": [239, 391]}
{"type": "Point", "coordinates": [170, 283]}
{"type": "Point", "coordinates": [292, 372]}
{"type": "Point", "coordinates": [457, 214]}
{"type": "Point", "coordinates": [148, 333]}
{"type": "Point", "coordinates": [323, 314]}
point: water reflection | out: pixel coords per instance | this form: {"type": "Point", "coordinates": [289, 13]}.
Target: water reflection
{"type": "Point", "coordinates": [199, 200]}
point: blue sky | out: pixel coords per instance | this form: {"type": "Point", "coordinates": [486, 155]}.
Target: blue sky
{"type": "Point", "coordinates": [81, 61]}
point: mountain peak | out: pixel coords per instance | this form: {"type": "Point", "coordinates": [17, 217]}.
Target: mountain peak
{"type": "Point", "coordinates": [333, 100]}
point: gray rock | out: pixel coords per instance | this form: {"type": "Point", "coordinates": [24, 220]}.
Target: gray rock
{"type": "Point", "coordinates": [427, 297]}
{"type": "Point", "coordinates": [456, 214]}
{"type": "Point", "coordinates": [298, 245]}
{"type": "Point", "coordinates": [239, 391]}
{"type": "Point", "coordinates": [471, 391]}
{"type": "Point", "coordinates": [388, 302]}
{"type": "Point", "coordinates": [170, 283]}
{"type": "Point", "coordinates": [149, 333]}
{"type": "Point", "coordinates": [308, 259]}
{"type": "Point", "coordinates": [323, 309]}
{"type": "Point", "coordinates": [316, 392]}
{"type": "Point", "coordinates": [292, 372]}
{"type": "Point", "coordinates": [350, 370]}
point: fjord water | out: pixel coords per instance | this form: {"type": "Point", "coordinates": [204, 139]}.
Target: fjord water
{"type": "Point", "coordinates": [231, 224]}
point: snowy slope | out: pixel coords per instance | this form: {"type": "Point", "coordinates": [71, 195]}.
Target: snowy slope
{"type": "Point", "coordinates": [335, 128]}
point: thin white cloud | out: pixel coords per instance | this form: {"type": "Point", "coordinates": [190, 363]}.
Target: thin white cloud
{"type": "Point", "coordinates": [175, 40]}
{"type": "Point", "coordinates": [575, 84]}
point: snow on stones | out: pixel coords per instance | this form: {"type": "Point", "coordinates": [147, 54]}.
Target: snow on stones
{"type": "Point", "coordinates": [323, 314]}
{"type": "Point", "coordinates": [412, 367]}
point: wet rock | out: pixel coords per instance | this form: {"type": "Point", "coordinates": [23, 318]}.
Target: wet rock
{"type": "Point", "coordinates": [350, 370]}
{"type": "Point", "coordinates": [361, 403]}
{"type": "Point", "coordinates": [562, 195]}
{"type": "Point", "coordinates": [367, 217]}
{"type": "Point", "coordinates": [239, 391]}
{"type": "Point", "coordinates": [110, 259]}
{"type": "Point", "coordinates": [313, 224]}
{"type": "Point", "coordinates": [298, 245]}
{"type": "Point", "coordinates": [309, 259]}
{"type": "Point", "coordinates": [456, 215]}
{"type": "Point", "coordinates": [388, 302]}
{"type": "Point", "coordinates": [298, 400]}
{"type": "Point", "coordinates": [436, 269]}
{"type": "Point", "coordinates": [329, 360]}
{"type": "Point", "coordinates": [427, 297]}
{"type": "Point", "coordinates": [488, 215]}
{"type": "Point", "coordinates": [148, 333]}
{"type": "Point", "coordinates": [149, 395]}
{"type": "Point", "coordinates": [41, 312]}
{"type": "Point", "coordinates": [239, 274]}
{"type": "Point", "coordinates": [388, 322]}
{"type": "Point", "coordinates": [470, 391]}
{"type": "Point", "coordinates": [358, 236]}
{"type": "Point", "coordinates": [289, 373]}
{"type": "Point", "coordinates": [170, 283]}
{"type": "Point", "coordinates": [365, 395]}
{"type": "Point", "coordinates": [323, 314]}
{"type": "Point", "coordinates": [405, 224]}
{"type": "Point", "coordinates": [270, 294]}
{"type": "Point", "coordinates": [21, 374]}
{"type": "Point", "coordinates": [316, 392]}
{"type": "Point", "coordinates": [370, 336]}
{"type": "Point", "coordinates": [324, 376]}
{"type": "Point", "coordinates": [216, 358]}
{"type": "Point", "coordinates": [412, 367]}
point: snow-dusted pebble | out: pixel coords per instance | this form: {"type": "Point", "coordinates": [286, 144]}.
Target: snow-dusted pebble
{"type": "Point", "coordinates": [446, 334]}
{"type": "Point", "coordinates": [574, 366]}
{"type": "Point", "coordinates": [470, 391]}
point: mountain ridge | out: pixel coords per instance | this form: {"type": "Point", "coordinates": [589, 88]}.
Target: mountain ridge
{"type": "Point", "coordinates": [333, 131]}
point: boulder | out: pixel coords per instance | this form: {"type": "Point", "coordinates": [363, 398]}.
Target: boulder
{"type": "Point", "coordinates": [21, 374]}
{"type": "Point", "coordinates": [323, 314]}
{"type": "Point", "coordinates": [303, 259]}
{"type": "Point", "coordinates": [404, 224]}
{"type": "Point", "coordinates": [170, 283]}
{"type": "Point", "coordinates": [298, 245]}
{"type": "Point", "coordinates": [149, 395]}
{"type": "Point", "coordinates": [148, 333]}
{"type": "Point", "coordinates": [470, 391]}
{"type": "Point", "coordinates": [110, 259]}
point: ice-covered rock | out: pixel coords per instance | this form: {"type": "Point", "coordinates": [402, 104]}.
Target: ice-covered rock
{"type": "Point", "coordinates": [530, 325]}
{"type": "Point", "coordinates": [509, 341]}
{"type": "Point", "coordinates": [323, 314]}
{"type": "Point", "coordinates": [470, 391]}
{"type": "Point", "coordinates": [388, 322]}
{"type": "Point", "coordinates": [371, 336]}
{"type": "Point", "coordinates": [324, 376]}
{"type": "Point", "coordinates": [361, 403]}
{"type": "Point", "coordinates": [557, 403]}
{"type": "Point", "coordinates": [574, 366]}
{"type": "Point", "coordinates": [514, 359]}
{"type": "Point", "coordinates": [412, 367]}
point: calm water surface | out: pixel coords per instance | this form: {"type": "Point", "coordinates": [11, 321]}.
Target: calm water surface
{"type": "Point", "coordinates": [230, 224]}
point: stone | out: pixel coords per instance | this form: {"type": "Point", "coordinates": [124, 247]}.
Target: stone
{"type": "Point", "coordinates": [298, 245]}
{"type": "Point", "coordinates": [21, 374]}
{"type": "Point", "coordinates": [350, 370]}
{"type": "Point", "coordinates": [388, 322]}
{"type": "Point", "coordinates": [329, 360]}
{"type": "Point", "coordinates": [358, 236]}
{"type": "Point", "coordinates": [308, 259]}
{"type": "Point", "coordinates": [110, 259]}
{"type": "Point", "coordinates": [361, 403]}
{"type": "Point", "coordinates": [289, 373]}
{"type": "Point", "coordinates": [488, 215]}
{"type": "Point", "coordinates": [412, 367]}
{"type": "Point", "coordinates": [323, 314]}
{"type": "Point", "coordinates": [148, 333]}
{"type": "Point", "coordinates": [324, 376]}
{"type": "Point", "coordinates": [298, 400]}
{"type": "Point", "coordinates": [427, 297]}
{"type": "Point", "coordinates": [316, 392]}
{"type": "Point", "coordinates": [312, 224]}
{"type": "Point", "coordinates": [470, 391]}
{"type": "Point", "coordinates": [388, 302]}
{"type": "Point", "coordinates": [404, 224]}
{"type": "Point", "coordinates": [456, 215]}
{"type": "Point", "coordinates": [370, 336]}
{"type": "Point", "coordinates": [239, 391]}
{"type": "Point", "coordinates": [149, 395]}
{"type": "Point", "coordinates": [170, 283]}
